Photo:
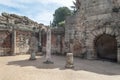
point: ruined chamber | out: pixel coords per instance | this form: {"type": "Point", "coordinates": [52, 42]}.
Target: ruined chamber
{"type": "Point", "coordinates": [15, 32]}
{"type": "Point", "coordinates": [94, 30]}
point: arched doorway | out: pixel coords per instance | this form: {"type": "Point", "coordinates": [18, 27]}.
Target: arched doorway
{"type": "Point", "coordinates": [106, 47]}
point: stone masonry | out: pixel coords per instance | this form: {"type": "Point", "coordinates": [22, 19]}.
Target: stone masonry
{"type": "Point", "coordinates": [15, 32]}
{"type": "Point", "coordinates": [92, 19]}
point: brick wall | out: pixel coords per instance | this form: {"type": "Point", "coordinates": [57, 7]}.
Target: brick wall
{"type": "Point", "coordinates": [22, 41]}
{"type": "Point", "coordinates": [5, 43]}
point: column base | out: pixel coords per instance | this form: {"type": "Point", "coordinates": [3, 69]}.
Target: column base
{"type": "Point", "coordinates": [32, 59]}
{"type": "Point", "coordinates": [69, 66]}
{"type": "Point", "coordinates": [48, 62]}
{"type": "Point", "coordinates": [69, 61]}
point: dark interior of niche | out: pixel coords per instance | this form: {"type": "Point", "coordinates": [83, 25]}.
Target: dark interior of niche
{"type": "Point", "coordinates": [115, 9]}
{"type": "Point", "coordinates": [94, 1]}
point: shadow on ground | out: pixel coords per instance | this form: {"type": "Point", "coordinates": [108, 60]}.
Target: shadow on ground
{"type": "Point", "coordinates": [39, 63]}
{"type": "Point", "coordinates": [94, 66]}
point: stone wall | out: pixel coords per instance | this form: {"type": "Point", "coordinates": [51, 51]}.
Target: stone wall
{"type": "Point", "coordinates": [17, 20]}
{"type": "Point", "coordinates": [21, 28]}
{"type": "Point", "coordinates": [92, 19]}
{"type": "Point", "coordinates": [58, 40]}
{"type": "Point", "coordinates": [15, 32]}
{"type": "Point", "coordinates": [5, 43]}
{"type": "Point", "coordinates": [22, 41]}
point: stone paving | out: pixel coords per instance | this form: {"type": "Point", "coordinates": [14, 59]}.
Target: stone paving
{"type": "Point", "coordinates": [20, 68]}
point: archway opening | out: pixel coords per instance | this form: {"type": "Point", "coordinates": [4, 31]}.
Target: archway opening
{"type": "Point", "coordinates": [106, 47]}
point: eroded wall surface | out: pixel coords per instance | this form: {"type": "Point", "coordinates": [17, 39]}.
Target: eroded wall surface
{"type": "Point", "coordinates": [92, 19]}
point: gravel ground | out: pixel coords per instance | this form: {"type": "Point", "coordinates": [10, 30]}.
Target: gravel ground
{"type": "Point", "coordinates": [20, 68]}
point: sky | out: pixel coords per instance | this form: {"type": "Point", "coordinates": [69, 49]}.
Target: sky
{"type": "Point", "coordinates": [40, 11]}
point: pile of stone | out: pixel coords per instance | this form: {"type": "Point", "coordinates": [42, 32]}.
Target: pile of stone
{"type": "Point", "coordinates": [6, 18]}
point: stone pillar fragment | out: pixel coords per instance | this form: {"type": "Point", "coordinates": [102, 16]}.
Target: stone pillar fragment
{"type": "Point", "coordinates": [33, 47]}
{"type": "Point", "coordinates": [48, 48]}
{"type": "Point", "coordinates": [118, 55]}
{"type": "Point", "coordinates": [33, 56]}
{"type": "Point", "coordinates": [14, 42]}
{"type": "Point", "coordinates": [40, 38]}
{"type": "Point", "coordinates": [69, 61]}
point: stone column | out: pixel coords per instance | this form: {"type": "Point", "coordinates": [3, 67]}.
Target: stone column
{"type": "Point", "coordinates": [71, 47]}
{"type": "Point", "coordinates": [32, 55]}
{"type": "Point", "coordinates": [33, 47]}
{"type": "Point", "coordinates": [40, 38]}
{"type": "Point", "coordinates": [118, 55]}
{"type": "Point", "coordinates": [69, 61]}
{"type": "Point", "coordinates": [14, 42]}
{"type": "Point", "coordinates": [39, 42]}
{"type": "Point", "coordinates": [118, 48]}
{"type": "Point", "coordinates": [58, 44]}
{"type": "Point", "coordinates": [48, 48]}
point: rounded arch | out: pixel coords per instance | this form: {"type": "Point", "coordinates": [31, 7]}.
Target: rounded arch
{"type": "Point", "coordinates": [105, 47]}
{"type": "Point", "coordinates": [92, 36]}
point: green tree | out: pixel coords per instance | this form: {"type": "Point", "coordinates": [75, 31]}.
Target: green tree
{"type": "Point", "coordinates": [61, 24]}
{"type": "Point", "coordinates": [60, 15]}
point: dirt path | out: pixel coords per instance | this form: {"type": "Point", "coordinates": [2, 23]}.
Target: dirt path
{"type": "Point", "coordinates": [20, 68]}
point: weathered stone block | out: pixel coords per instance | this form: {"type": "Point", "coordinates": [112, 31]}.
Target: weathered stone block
{"type": "Point", "coordinates": [33, 56]}
{"type": "Point", "coordinates": [104, 29]}
{"type": "Point", "coordinates": [108, 31]}
{"type": "Point", "coordinates": [69, 60]}
{"type": "Point", "coordinates": [91, 36]}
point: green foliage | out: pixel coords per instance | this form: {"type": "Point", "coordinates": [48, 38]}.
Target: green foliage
{"type": "Point", "coordinates": [61, 24]}
{"type": "Point", "coordinates": [60, 15]}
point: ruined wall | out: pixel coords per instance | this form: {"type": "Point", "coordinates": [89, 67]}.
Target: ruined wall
{"type": "Point", "coordinates": [93, 18]}
{"type": "Point", "coordinates": [58, 40]}
{"type": "Point", "coordinates": [18, 20]}
{"type": "Point", "coordinates": [22, 41]}
{"type": "Point", "coordinates": [15, 32]}
{"type": "Point", "coordinates": [5, 43]}
{"type": "Point", "coordinates": [43, 40]}
{"type": "Point", "coordinates": [54, 43]}
{"type": "Point", "coordinates": [57, 44]}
